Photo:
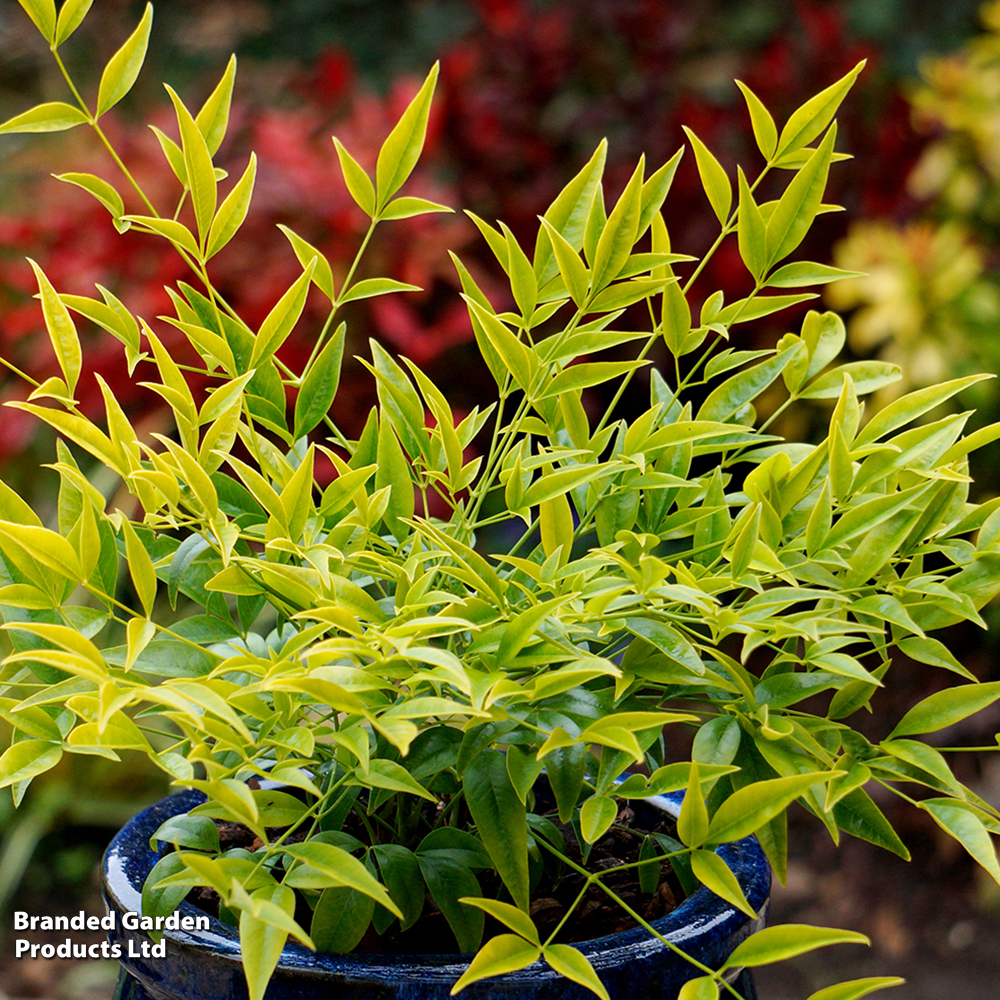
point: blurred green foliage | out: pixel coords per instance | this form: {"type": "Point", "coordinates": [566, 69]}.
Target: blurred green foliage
{"type": "Point", "coordinates": [930, 300]}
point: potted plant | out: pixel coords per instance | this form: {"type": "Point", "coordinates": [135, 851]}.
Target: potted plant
{"type": "Point", "coordinates": [387, 694]}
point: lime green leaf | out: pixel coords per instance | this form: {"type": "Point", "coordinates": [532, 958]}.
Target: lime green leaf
{"type": "Point", "coordinates": [866, 375]}
{"type": "Point", "coordinates": [213, 119]}
{"type": "Point", "coordinates": [31, 720]}
{"type": "Point", "coordinates": [944, 708]}
{"type": "Point", "coordinates": [101, 190]}
{"type": "Point", "coordinates": [587, 374]}
{"type": "Point", "coordinates": [702, 988]}
{"type": "Point", "coordinates": [123, 68]}
{"type": "Point", "coordinates": [967, 828]}
{"type": "Point", "coordinates": [675, 318]}
{"type": "Point", "coordinates": [913, 405]}
{"type": "Point", "coordinates": [27, 759]}
{"type": "Point", "coordinates": [752, 806]}
{"type": "Point", "coordinates": [371, 287]}
{"type": "Point", "coordinates": [500, 819]}
{"type": "Point", "coordinates": [140, 567]}
{"type": "Point", "coordinates": [568, 214]}
{"type": "Point", "coordinates": [394, 777]}
{"type": "Point", "coordinates": [748, 309]}
{"type": "Point", "coordinates": [359, 184]}
{"type": "Point", "coordinates": [626, 293]}
{"type": "Point", "coordinates": [402, 147]}
{"type": "Point", "coordinates": [619, 233]}
{"type": "Point", "coordinates": [306, 252]}
{"type": "Point", "coordinates": [596, 816]}
{"type": "Point", "coordinates": [172, 153]}
{"type": "Point", "coordinates": [751, 231]}
{"type": "Point", "coordinates": [54, 116]}
{"type": "Point", "coordinates": [176, 232]}
{"type": "Point", "coordinates": [571, 266]}
{"type": "Point", "coordinates": [668, 641]}
{"type": "Point", "coordinates": [776, 944]}
{"type": "Point", "coordinates": [517, 920]}
{"type": "Point", "coordinates": [727, 399]}
{"type": "Point", "coordinates": [523, 283]}
{"type": "Point", "coordinates": [319, 387]}
{"type": "Point", "coordinates": [233, 211]}
{"type": "Point", "coordinates": [655, 190]}
{"type": "Point", "coordinates": [764, 129]}
{"type": "Point", "coordinates": [503, 953]}
{"type": "Point", "coordinates": [394, 471]}
{"type": "Point", "coordinates": [48, 547]}
{"type": "Point", "coordinates": [856, 988]}
{"type": "Point", "coordinates": [797, 207]}
{"type": "Point", "coordinates": [281, 319]}
{"type": "Point", "coordinates": [196, 832]}
{"type": "Point", "coordinates": [61, 330]}
{"type": "Point", "coordinates": [519, 631]}
{"type": "Point", "coordinates": [713, 177]}
{"type": "Point", "coordinates": [325, 866]}
{"type": "Point", "coordinates": [692, 824]}
{"type": "Point", "coordinates": [511, 351]}
{"type": "Point", "coordinates": [804, 272]}
{"type": "Point", "coordinates": [407, 208]}
{"type": "Point", "coordinates": [714, 873]}
{"type": "Point", "coordinates": [43, 13]}
{"type": "Point", "coordinates": [812, 118]}
{"type": "Point", "coordinates": [201, 180]}
{"type": "Point", "coordinates": [858, 815]}
{"type": "Point", "coordinates": [261, 941]}
{"type": "Point", "coordinates": [934, 653]}
{"type": "Point", "coordinates": [554, 484]}
{"type": "Point", "coordinates": [573, 964]}
{"type": "Point", "coordinates": [80, 430]}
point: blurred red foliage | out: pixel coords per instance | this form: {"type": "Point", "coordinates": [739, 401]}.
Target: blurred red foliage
{"type": "Point", "coordinates": [521, 105]}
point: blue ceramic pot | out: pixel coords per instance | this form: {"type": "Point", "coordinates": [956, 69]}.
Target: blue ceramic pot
{"type": "Point", "coordinates": [205, 965]}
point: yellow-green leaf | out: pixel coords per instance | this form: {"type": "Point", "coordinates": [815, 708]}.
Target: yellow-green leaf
{"type": "Point", "coordinates": [61, 330]}
{"type": "Point", "coordinates": [232, 211]}
{"type": "Point", "coordinates": [55, 116]}
{"type": "Point", "coordinates": [43, 13]}
{"type": "Point", "coordinates": [261, 940]}
{"type": "Point", "coordinates": [402, 147]}
{"type": "Point", "coordinates": [764, 129]}
{"type": "Point", "coordinates": [27, 759]}
{"type": "Point", "coordinates": [713, 177]}
{"type": "Point", "coordinates": [198, 164]}
{"type": "Point", "coordinates": [573, 964]}
{"type": "Point", "coordinates": [775, 944]}
{"type": "Point", "coordinates": [123, 68]}
{"type": "Point", "coordinates": [813, 117]}
{"type": "Point", "coordinates": [322, 275]}
{"type": "Point", "coordinates": [101, 190]}
{"type": "Point", "coordinates": [282, 318]}
{"type": "Point", "coordinates": [709, 869]}
{"type": "Point", "coordinates": [213, 119]}
{"type": "Point", "coordinates": [358, 183]}
{"type": "Point", "coordinates": [503, 953]}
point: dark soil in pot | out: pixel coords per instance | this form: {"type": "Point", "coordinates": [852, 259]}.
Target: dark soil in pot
{"type": "Point", "coordinates": [596, 915]}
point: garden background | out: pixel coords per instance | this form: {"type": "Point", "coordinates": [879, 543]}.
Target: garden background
{"type": "Point", "coordinates": [528, 88]}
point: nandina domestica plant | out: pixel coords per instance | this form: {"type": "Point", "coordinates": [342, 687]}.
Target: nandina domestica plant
{"type": "Point", "coordinates": [449, 657]}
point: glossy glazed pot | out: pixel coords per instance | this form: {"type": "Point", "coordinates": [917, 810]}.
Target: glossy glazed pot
{"type": "Point", "coordinates": [205, 965]}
